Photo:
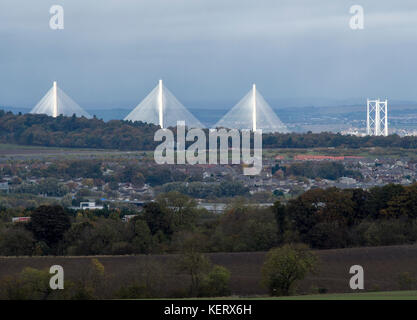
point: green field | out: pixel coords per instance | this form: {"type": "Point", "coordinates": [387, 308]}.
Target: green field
{"type": "Point", "coordinates": [13, 151]}
{"type": "Point", "coordinates": [24, 152]}
{"type": "Point", "coordinates": [383, 295]}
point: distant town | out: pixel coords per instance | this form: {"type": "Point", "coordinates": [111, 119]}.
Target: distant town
{"type": "Point", "coordinates": [83, 180]}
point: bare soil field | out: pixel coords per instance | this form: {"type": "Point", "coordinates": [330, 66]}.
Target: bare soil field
{"type": "Point", "coordinates": [382, 265]}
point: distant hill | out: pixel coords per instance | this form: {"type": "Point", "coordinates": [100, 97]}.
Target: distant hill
{"type": "Point", "coordinates": [43, 130]}
{"type": "Point", "coordinates": [73, 132]}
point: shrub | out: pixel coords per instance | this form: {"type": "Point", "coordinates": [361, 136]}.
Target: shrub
{"type": "Point", "coordinates": [144, 280]}
{"type": "Point", "coordinates": [285, 266]}
{"type": "Point", "coordinates": [29, 284]}
{"type": "Point", "coordinates": [207, 280]}
{"type": "Point", "coordinates": [93, 282]}
{"type": "Point", "coordinates": [196, 265]}
{"type": "Point", "coordinates": [406, 281]}
{"type": "Point", "coordinates": [133, 291]}
{"type": "Point", "coordinates": [322, 290]}
{"type": "Point", "coordinates": [216, 284]}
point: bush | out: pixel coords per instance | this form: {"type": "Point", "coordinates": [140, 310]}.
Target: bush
{"type": "Point", "coordinates": [133, 291]}
{"type": "Point", "coordinates": [145, 280]}
{"type": "Point", "coordinates": [93, 283]}
{"type": "Point", "coordinates": [216, 284]}
{"type": "Point", "coordinates": [30, 284]}
{"type": "Point", "coordinates": [207, 280]}
{"type": "Point", "coordinates": [196, 265]}
{"type": "Point", "coordinates": [322, 290]}
{"type": "Point", "coordinates": [285, 266]}
{"type": "Point", "coordinates": [406, 281]}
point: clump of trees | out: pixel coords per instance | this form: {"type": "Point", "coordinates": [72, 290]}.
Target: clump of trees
{"type": "Point", "coordinates": [335, 218]}
{"type": "Point", "coordinates": [206, 279]}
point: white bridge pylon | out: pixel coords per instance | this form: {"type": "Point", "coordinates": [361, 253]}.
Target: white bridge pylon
{"type": "Point", "coordinates": [162, 108]}
{"type": "Point", "coordinates": [377, 117]}
{"type": "Point", "coordinates": [252, 112]}
{"type": "Point", "coordinates": [56, 102]}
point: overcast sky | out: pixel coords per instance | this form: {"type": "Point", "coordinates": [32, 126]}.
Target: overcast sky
{"type": "Point", "coordinates": [209, 52]}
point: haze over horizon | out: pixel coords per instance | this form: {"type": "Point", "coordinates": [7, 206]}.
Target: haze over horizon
{"type": "Point", "coordinates": [111, 54]}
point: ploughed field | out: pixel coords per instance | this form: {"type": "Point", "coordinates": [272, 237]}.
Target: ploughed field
{"type": "Point", "coordinates": [382, 266]}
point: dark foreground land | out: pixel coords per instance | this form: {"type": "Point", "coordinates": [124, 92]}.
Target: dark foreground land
{"type": "Point", "coordinates": [382, 266]}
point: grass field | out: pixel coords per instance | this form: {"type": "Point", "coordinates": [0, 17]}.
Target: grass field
{"type": "Point", "coordinates": [10, 150]}
{"type": "Point", "coordinates": [22, 152]}
{"type": "Point", "coordinates": [384, 295]}
{"type": "Point", "coordinates": [380, 295]}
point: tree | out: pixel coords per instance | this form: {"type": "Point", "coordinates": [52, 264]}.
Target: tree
{"type": "Point", "coordinates": [183, 208]}
{"type": "Point", "coordinates": [157, 218]}
{"type": "Point", "coordinates": [281, 219]}
{"type": "Point", "coordinates": [328, 235]}
{"type": "Point", "coordinates": [16, 242]}
{"type": "Point", "coordinates": [403, 204]}
{"type": "Point", "coordinates": [142, 240]}
{"type": "Point", "coordinates": [315, 206]}
{"type": "Point", "coordinates": [285, 266]}
{"type": "Point", "coordinates": [196, 265]}
{"type": "Point", "coordinates": [48, 224]}
{"type": "Point", "coordinates": [107, 237]}
{"type": "Point", "coordinates": [145, 281]}
{"type": "Point", "coordinates": [246, 228]}
{"type": "Point", "coordinates": [93, 282]}
{"type": "Point", "coordinates": [380, 198]}
{"type": "Point", "coordinates": [131, 173]}
{"type": "Point", "coordinates": [77, 238]}
{"type": "Point", "coordinates": [216, 283]}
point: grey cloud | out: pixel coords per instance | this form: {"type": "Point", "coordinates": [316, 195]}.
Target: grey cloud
{"type": "Point", "coordinates": [112, 52]}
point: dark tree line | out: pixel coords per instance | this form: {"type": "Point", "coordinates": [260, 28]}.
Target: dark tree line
{"type": "Point", "coordinates": [335, 218]}
{"type": "Point", "coordinates": [322, 219]}
{"type": "Point", "coordinates": [74, 132]}
{"type": "Point", "coordinates": [336, 140]}
{"type": "Point", "coordinates": [42, 130]}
